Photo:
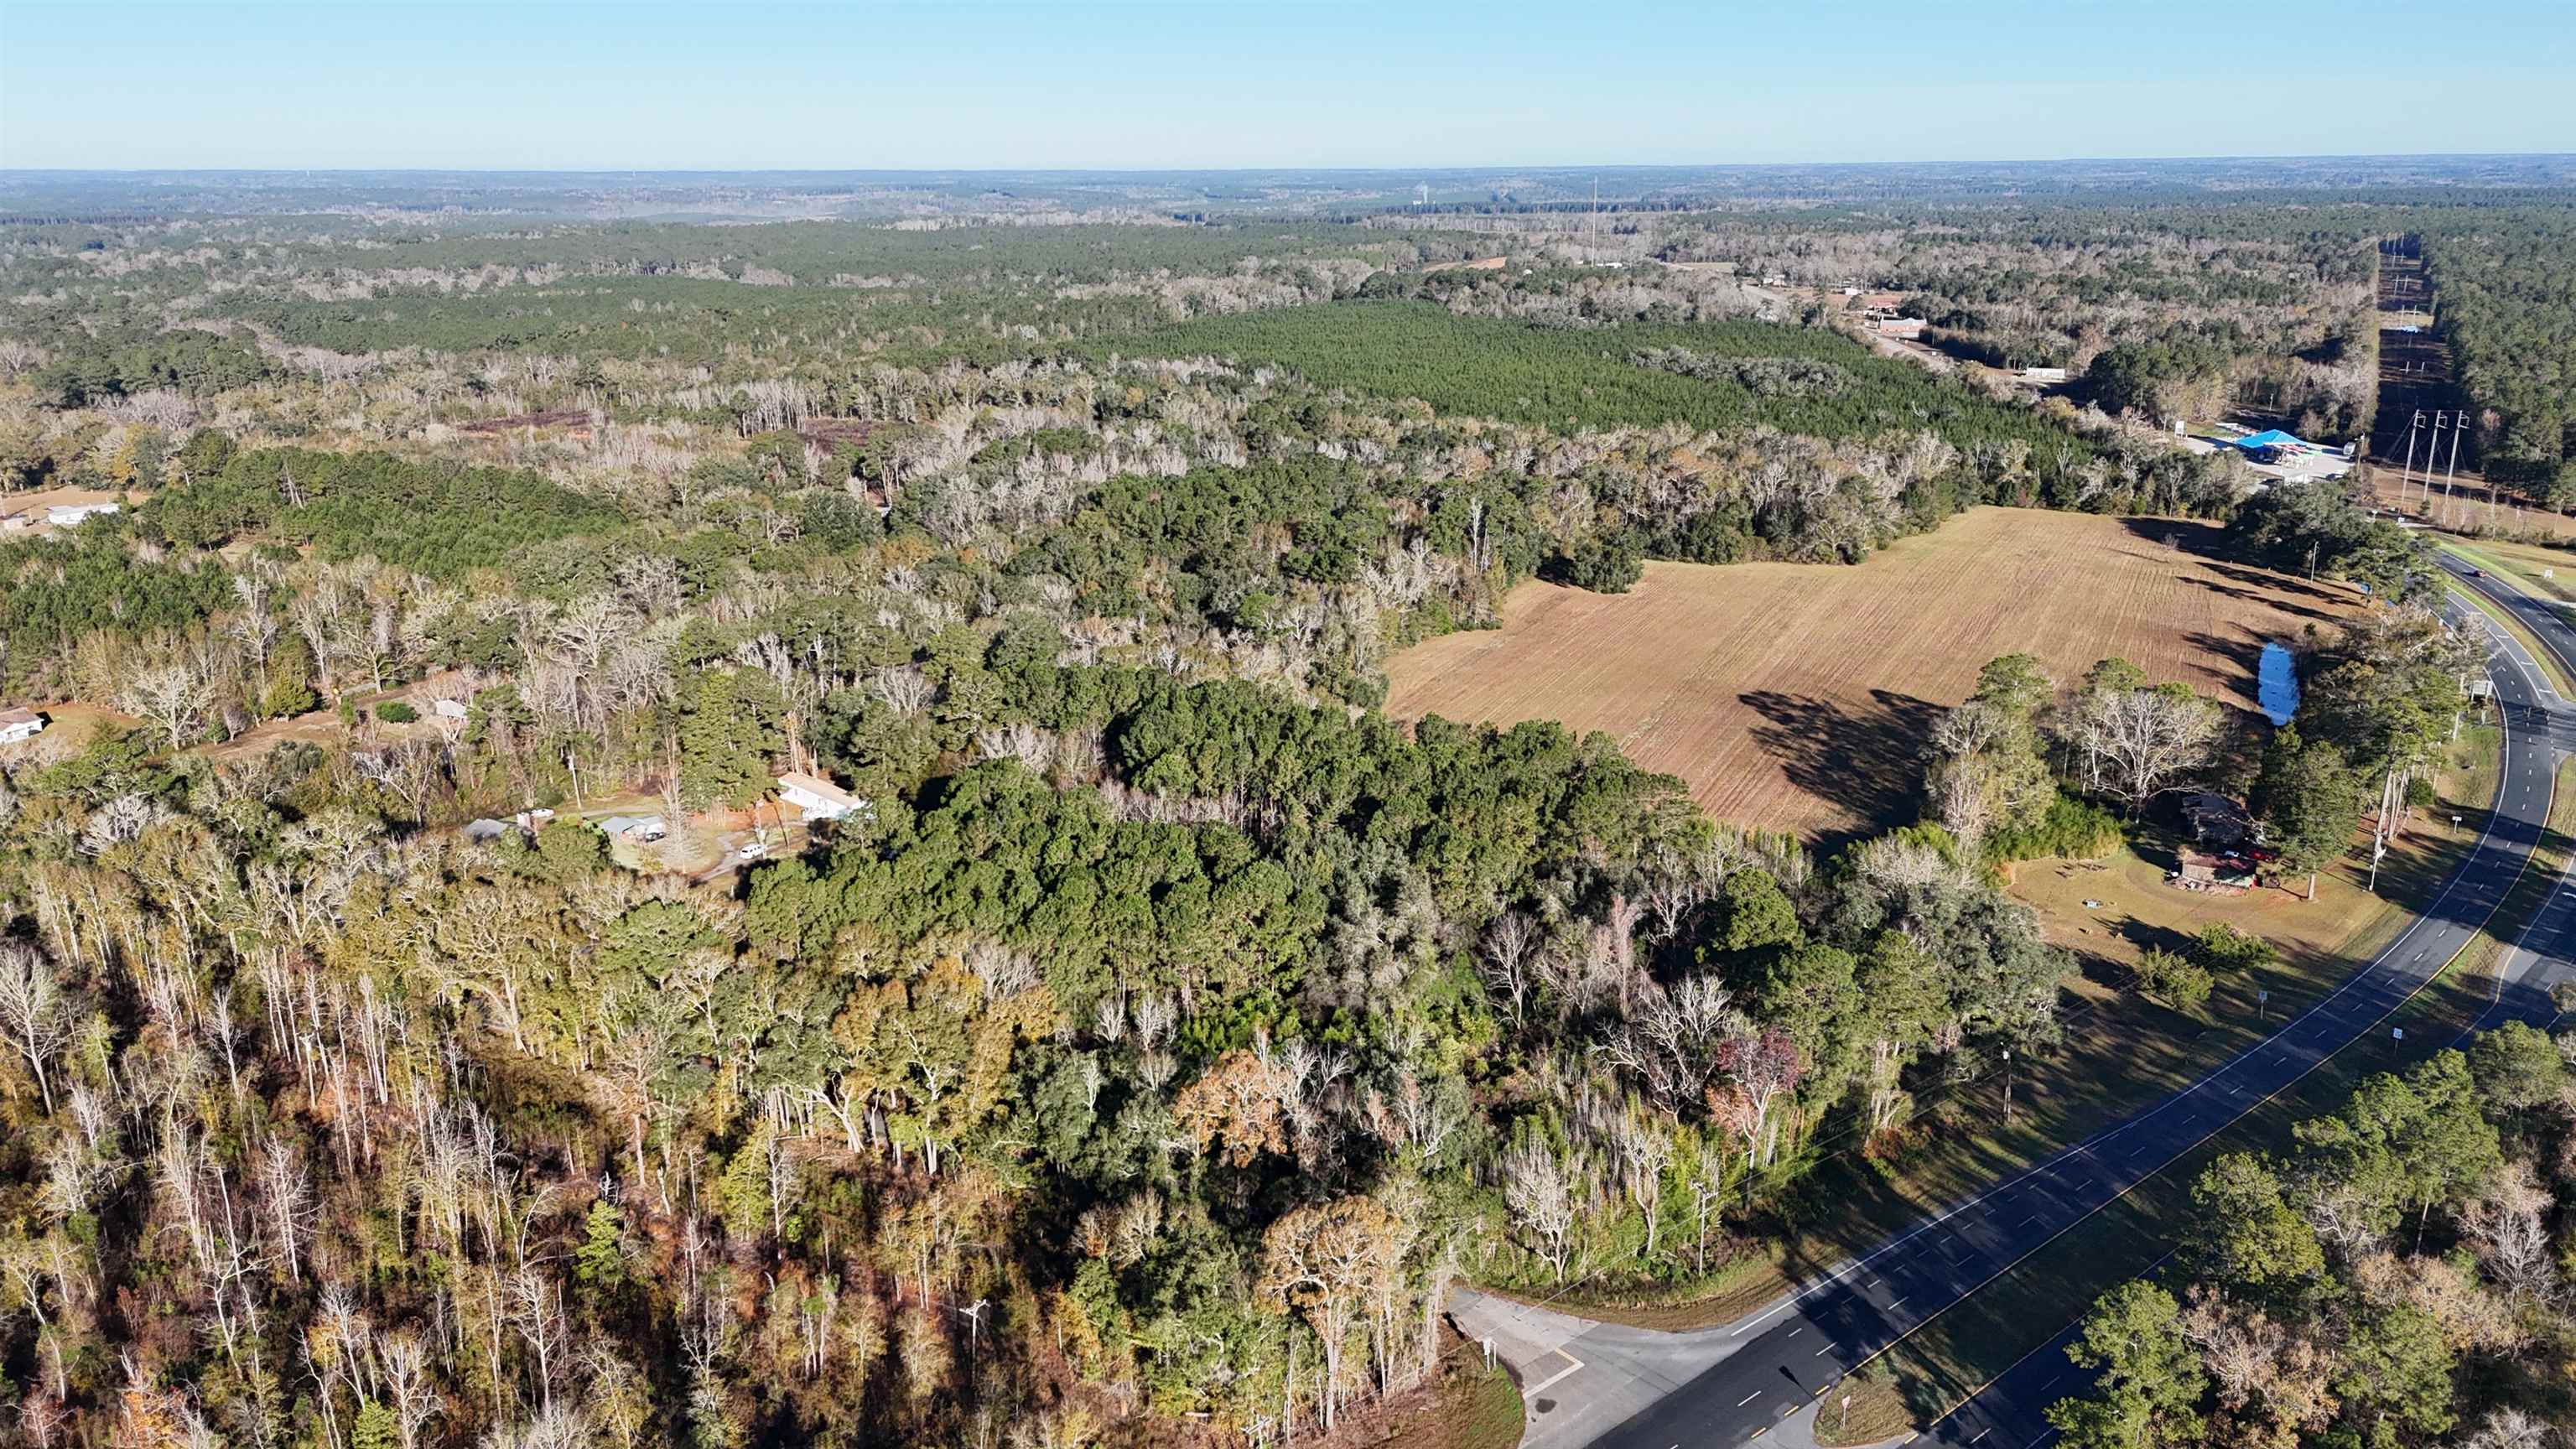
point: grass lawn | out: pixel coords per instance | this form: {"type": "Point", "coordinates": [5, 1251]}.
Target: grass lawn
{"type": "Point", "coordinates": [1878, 1412]}
{"type": "Point", "coordinates": [2123, 1051]}
{"type": "Point", "coordinates": [1949, 1358]}
{"type": "Point", "coordinates": [1471, 1407]}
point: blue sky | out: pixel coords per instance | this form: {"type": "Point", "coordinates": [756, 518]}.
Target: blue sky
{"type": "Point", "coordinates": [1216, 83]}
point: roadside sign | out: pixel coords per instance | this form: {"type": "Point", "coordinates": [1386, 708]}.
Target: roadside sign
{"type": "Point", "coordinates": [2397, 1033]}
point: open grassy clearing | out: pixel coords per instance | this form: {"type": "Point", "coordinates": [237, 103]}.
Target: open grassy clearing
{"type": "Point", "coordinates": [1958, 1352]}
{"type": "Point", "coordinates": [2468, 505]}
{"type": "Point", "coordinates": [1799, 696]}
{"type": "Point", "coordinates": [69, 726]}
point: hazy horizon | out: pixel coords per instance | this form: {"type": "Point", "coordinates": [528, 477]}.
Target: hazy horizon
{"type": "Point", "coordinates": [1192, 87]}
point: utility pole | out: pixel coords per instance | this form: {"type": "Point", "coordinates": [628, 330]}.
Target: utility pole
{"type": "Point", "coordinates": [2406, 474]}
{"type": "Point", "coordinates": [2460, 420]}
{"type": "Point", "coordinates": [2428, 470]}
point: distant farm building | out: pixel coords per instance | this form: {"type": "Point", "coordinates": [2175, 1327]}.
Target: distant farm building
{"type": "Point", "coordinates": [20, 724]}
{"type": "Point", "coordinates": [817, 797]}
{"type": "Point", "coordinates": [2042, 374]}
{"type": "Point", "coordinates": [447, 708]}
{"type": "Point", "coordinates": [1907, 328]}
{"type": "Point", "coordinates": [72, 515]}
{"type": "Point", "coordinates": [644, 829]}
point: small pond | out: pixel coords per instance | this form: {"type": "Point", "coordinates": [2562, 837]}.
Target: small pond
{"type": "Point", "coordinates": [2276, 682]}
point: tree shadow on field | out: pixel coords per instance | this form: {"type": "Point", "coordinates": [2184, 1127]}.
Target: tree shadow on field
{"type": "Point", "coordinates": [2242, 666]}
{"type": "Point", "coordinates": [1868, 761]}
{"type": "Point", "coordinates": [2268, 596]}
{"type": "Point", "coordinates": [2218, 552]}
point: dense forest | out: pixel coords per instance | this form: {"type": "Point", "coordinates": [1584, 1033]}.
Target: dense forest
{"type": "Point", "coordinates": [2505, 300]}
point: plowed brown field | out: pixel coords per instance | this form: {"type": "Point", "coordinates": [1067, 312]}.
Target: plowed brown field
{"type": "Point", "coordinates": [1799, 696]}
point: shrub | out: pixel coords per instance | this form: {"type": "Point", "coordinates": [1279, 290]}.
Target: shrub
{"type": "Point", "coordinates": [2072, 829]}
{"type": "Point", "coordinates": [396, 712]}
{"type": "Point", "coordinates": [2225, 948]}
{"type": "Point", "coordinates": [1608, 564]}
{"type": "Point", "coordinates": [2174, 979]}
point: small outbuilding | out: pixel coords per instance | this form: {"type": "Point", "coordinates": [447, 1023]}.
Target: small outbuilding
{"type": "Point", "coordinates": [20, 724]}
{"type": "Point", "coordinates": [643, 829]}
{"type": "Point", "coordinates": [817, 797]}
{"type": "Point", "coordinates": [72, 515]}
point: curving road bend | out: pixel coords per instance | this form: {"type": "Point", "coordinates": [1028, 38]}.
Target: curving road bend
{"type": "Point", "coordinates": [1725, 1387]}
{"type": "Point", "coordinates": [2010, 1413]}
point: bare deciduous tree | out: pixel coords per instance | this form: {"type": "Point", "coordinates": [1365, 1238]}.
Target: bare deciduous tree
{"type": "Point", "coordinates": [1671, 1038]}
{"type": "Point", "coordinates": [2145, 737]}
{"type": "Point", "coordinates": [1507, 958]}
{"type": "Point", "coordinates": [173, 696]}
{"type": "Point", "coordinates": [1541, 1201]}
{"type": "Point", "coordinates": [38, 1015]}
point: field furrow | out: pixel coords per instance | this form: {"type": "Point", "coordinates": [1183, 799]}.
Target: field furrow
{"type": "Point", "coordinates": [1798, 696]}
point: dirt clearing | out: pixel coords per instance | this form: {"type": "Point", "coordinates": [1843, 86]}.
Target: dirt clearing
{"type": "Point", "coordinates": [1799, 696]}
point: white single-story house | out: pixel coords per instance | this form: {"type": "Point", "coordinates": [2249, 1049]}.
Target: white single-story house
{"type": "Point", "coordinates": [819, 798]}
{"type": "Point", "coordinates": [71, 515]}
{"type": "Point", "coordinates": [20, 724]}
{"type": "Point", "coordinates": [645, 828]}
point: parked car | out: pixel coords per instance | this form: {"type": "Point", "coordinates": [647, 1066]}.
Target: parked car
{"type": "Point", "coordinates": [753, 851]}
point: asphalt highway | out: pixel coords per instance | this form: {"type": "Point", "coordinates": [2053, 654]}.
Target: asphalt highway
{"type": "Point", "coordinates": [1797, 1349]}
{"type": "Point", "coordinates": [2011, 1412]}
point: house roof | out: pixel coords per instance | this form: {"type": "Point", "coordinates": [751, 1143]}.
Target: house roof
{"type": "Point", "coordinates": [819, 788]}
{"type": "Point", "coordinates": [20, 715]}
